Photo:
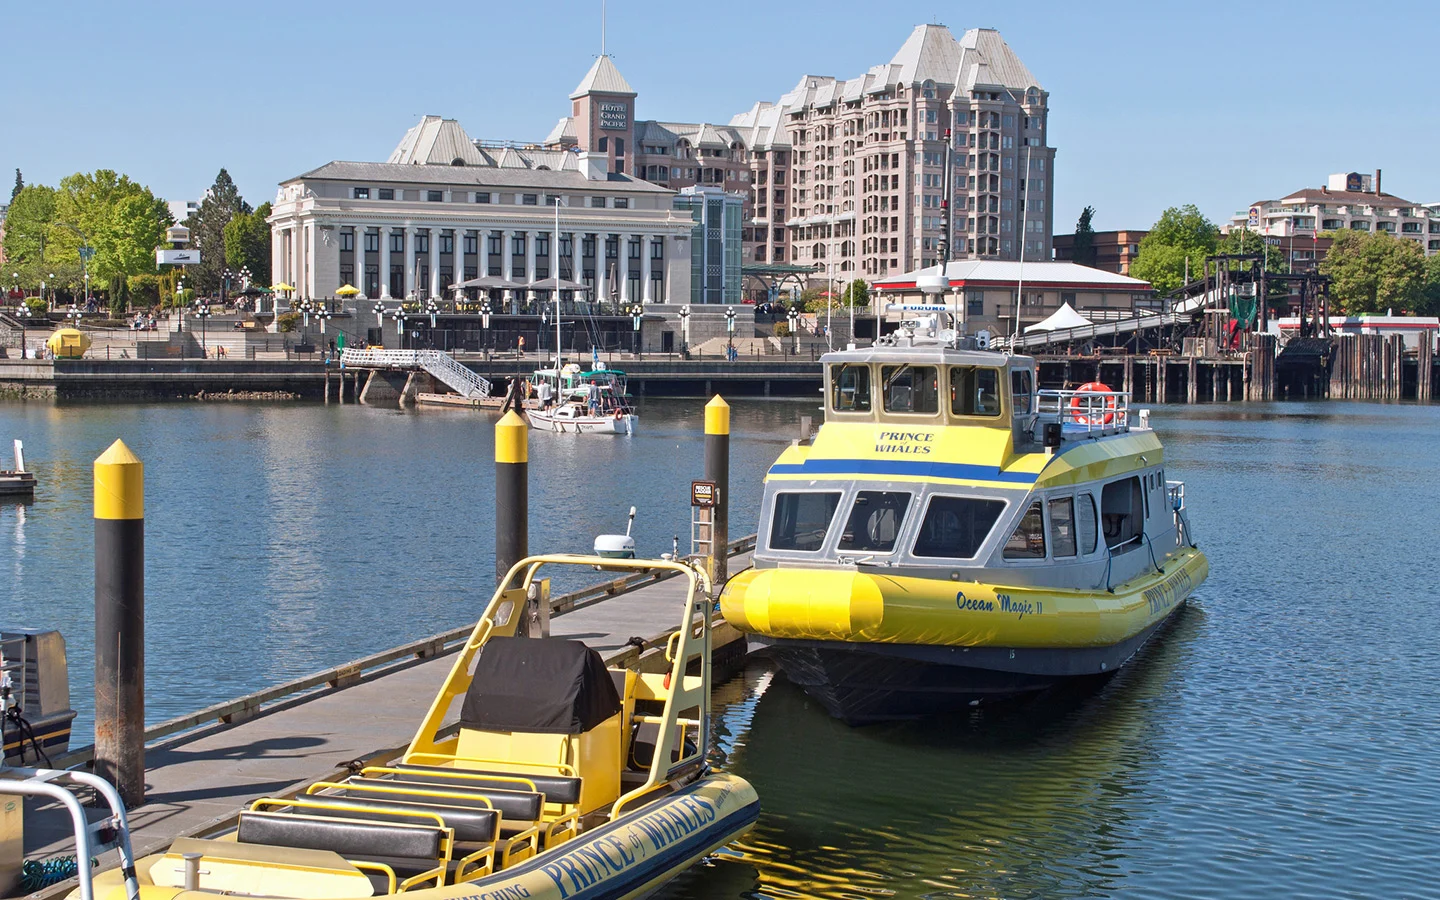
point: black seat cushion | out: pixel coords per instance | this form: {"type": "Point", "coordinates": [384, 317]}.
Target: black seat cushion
{"type": "Point", "coordinates": [556, 788]}
{"type": "Point", "coordinates": [538, 685]}
{"type": "Point", "coordinates": [346, 837]}
{"type": "Point", "coordinates": [521, 805]}
{"type": "Point", "coordinates": [471, 821]}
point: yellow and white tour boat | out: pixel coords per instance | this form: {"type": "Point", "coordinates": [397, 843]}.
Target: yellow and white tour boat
{"type": "Point", "coordinates": [537, 774]}
{"type": "Point", "coordinates": [952, 535]}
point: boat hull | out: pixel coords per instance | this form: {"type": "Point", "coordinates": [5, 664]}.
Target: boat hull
{"type": "Point", "coordinates": [862, 684]}
{"type": "Point", "coordinates": [625, 424]}
{"type": "Point", "coordinates": [17, 484]}
{"type": "Point", "coordinates": [628, 858]}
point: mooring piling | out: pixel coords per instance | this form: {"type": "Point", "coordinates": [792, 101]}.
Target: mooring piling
{"type": "Point", "coordinates": [120, 621]}
{"type": "Point", "coordinates": [512, 493]}
{"type": "Point", "coordinates": [717, 471]}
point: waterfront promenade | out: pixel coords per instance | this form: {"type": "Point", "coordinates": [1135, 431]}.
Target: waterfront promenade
{"type": "Point", "coordinates": [199, 781]}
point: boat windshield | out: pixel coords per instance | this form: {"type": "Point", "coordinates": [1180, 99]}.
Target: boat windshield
{"type": "Point", "coordinates": [974, 391]}
{"type": "Point", "coordinates": [911, 389]}
{"type": "Point", "coordinates": [802, 519]}
{"type": "Point", "coordinates": [874, 521]}
{"type": "Point", "coordinates": [956, 527]}
{"type": "Point", "coordinates": [850, 388]}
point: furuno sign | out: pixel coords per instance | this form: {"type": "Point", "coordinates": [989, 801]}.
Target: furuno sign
{"type": "Point", "coordinates": [614, 115]}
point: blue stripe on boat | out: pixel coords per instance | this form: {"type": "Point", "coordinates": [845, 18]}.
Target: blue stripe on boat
{"type": "Point", "coordinates": [965, 471]}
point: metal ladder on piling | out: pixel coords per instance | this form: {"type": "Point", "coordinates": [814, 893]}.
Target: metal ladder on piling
{"type": "Point", "coordinates": [91, 838]}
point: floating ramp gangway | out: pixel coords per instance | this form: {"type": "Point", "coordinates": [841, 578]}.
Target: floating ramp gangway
{"type": "Point", "coordinates": [443, 366]}
{"type": "Point", "coordinates": [1098, 329]}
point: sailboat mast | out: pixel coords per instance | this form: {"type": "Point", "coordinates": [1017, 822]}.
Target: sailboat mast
{"type": "Point", "coordinates": [555, 242]}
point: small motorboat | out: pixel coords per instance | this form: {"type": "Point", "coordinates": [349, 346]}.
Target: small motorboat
{"type": "Point", "coordinates": [17, 482]}
{"type": "Point", "coordinates": [562, 780]}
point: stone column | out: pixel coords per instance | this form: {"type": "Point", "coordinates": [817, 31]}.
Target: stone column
{"type": "Point", "coordinates": [434, 286]}
{"type": "Point", "coordinates": [410, 259]}
{"type": "Point", "coordinates": [384, 262]}
{"type": "Point", "coordinates": [530, 263]}
{"type": "Point", "coordinates": [646, 294]}
{"type": "Point", "coordinates": [624, 268]}
{"type": "Point", "coordinates": [602, 269]}
{"type": "Point", "coordinates": [507, 265]}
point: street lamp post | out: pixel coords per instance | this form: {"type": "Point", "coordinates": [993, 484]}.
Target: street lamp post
{"type": "Point", "coordinates": [23, 314]}
{"type": "Point", "coordinates": [398, 315]}
{"type": "Point", "coordinates": [52, 291]}
{"type": "Point", "coordinates": [793, 316]}
{"type": "Point", "coordinates": [685, 329]}
{"type": "Point", "coordinates": [485, 321]}
{"type": "Point", "coordinates": [307, 306]}
{"type": "Point", "coordinates": [729, 332]}
{"type": "Point", "coordinates": [202, 310]}
{"type": "Point", "coordinates": [225, 285]}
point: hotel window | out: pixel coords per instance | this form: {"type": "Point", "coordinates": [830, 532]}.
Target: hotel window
{"type": "Point", "coordinates": [542, 244]}
{"type": "Point", "coordinates": [565, 245]}
{"type": "Point", "coordinates": [447, 243]}
{"type": "Point", "coordinates": [422, 242]}
{"type": "Point", "coordinates": [975, 302]}
{"type": "Point", "coordinates": [434, 196]}
{"type": "Point", "coordinates": [362, 193]}
{"type": "Point", "coordinates": [517, 245]}
{"type": "Point", "coordinates": [587, 246]}
{"type": "Point", "coordinates": [372, 242]}
{"type": "Point", "coordinates": [612, 247]}
{"type": "Point", "coordinates": [492, 244]}
{"type": "Point", "coordinates": [347, 241]}
{"type": "Point", "coordinates": [482, 196]}
{"type": "Point", "coordinates": [657, 249]}
{"type": "Point", "coordinates": [387, 193]}
{"type": "Point", "coordinates": [597, 202]}
{"type": "Point", "coordinates": [530, 199]}
{"type": "Point", "coordinates": [633, 248]}
{"type": "Point", "coordinates": [471, 244]}
{"type": "Point", "coordinates": [622, 202]}
{"type": "Point", "coordinates": [397, 242]}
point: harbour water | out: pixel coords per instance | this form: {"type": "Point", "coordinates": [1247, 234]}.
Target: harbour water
{"type": "Point", "coordinates": [1277, 741]}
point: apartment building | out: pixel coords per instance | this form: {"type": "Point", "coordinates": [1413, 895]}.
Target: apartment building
{"type": "Point", "coordinates": [1348, 200]}
{"type": "Point", "coordinates": [849, 176]}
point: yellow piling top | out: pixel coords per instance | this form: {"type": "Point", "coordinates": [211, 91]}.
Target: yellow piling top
{"type": "Point", "coordinates": [511, 439]}
{"type": "Point", "coordinates": [717, 416]}
{"type": "Point", "coordinates": [119, 484]}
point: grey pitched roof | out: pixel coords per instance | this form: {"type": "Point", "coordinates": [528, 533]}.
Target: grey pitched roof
{"type": "Point", "coordinates": [929, 54]}
{"type": "Point", "coordinates": [435, 141]}
{"type": "Point", "coordinates": [563, 132]}
{"type": "Point", "coordinates": [987, 60]}
{"type": "Point", "coordinates": [481, 176]}
{"type": "Point", "coordinates": [603, 78]}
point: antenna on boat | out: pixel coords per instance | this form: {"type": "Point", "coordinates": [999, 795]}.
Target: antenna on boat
{"type": "Point", "coordinates": [631, 522]}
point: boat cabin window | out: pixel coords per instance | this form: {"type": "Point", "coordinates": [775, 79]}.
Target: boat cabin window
{"type": "Point", "coordinates": [974, 391]}
{"type": "Point", "coordinates": [1085, 520]}
{"type": "Point", "coordinates": [1122, 513]}
{"type": "Point", "coordinates": [1021, 391]}
{"type": "Point", "coordinates": [802, 520]}
{"type": "Point", "coordinates": [955, 527]}
{"type": "Point", "coordinates": [1062, 526]}
{"type": "Point", "coordinates": [850, 388]}
{"type": "Point", "coordinates": [911, 389]}
{"type": "Point", "coordinates": [874, 521]}
{"type": "Point", "coordinates": [1028, 540]}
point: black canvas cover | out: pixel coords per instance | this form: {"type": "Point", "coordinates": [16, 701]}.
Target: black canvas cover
{"type": "Point", "coordinates": [543, 685]}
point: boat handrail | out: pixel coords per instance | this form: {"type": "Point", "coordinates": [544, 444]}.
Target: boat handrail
{"type": "Point", "coordinates": [1084, 411]}
{"type": "Point", "coordinates": [91, 838]}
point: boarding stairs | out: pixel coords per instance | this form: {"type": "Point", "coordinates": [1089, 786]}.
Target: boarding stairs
{"type": "Point", "coordinates": [1098, 329]}
{"type": "Point", "coordinates": [442, 366]}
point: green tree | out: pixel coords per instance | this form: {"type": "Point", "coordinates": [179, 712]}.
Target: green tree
{"type": "Point", "coordinates": [19, 186]}
{"type": "Point", "coordinates": [247, 244]}
{"type": "Point", "coordinates": [28, 225]}
{"type": "Point", "coordinates": [122, 220]}
{"type": "Point", "coordinates": [1083, 251]}
{"type": "Point", "coordinates": [856, 293]}
{"type": "Point", "coordinates": [1370, 273]}
{"type": "Point", "coordinates": [1429, 304]}
{"type": "Point", "coordinates": [1181, 239]}
{"type": "Point", "coordinates": [207, 231]}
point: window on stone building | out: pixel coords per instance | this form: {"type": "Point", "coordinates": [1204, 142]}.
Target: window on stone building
{"type": "Point", "coordinates": [434, 196]}
{"type": "Point", "coordinates": [347, 241]}
{"type": "Point", "coordinates": [422, 242]}
{"type": "Point", "coordinates": [622, 202]}
{"type": "Point", "coordinates": [372, 241]}
{"type": "Point", "coordinates": [598, 202]}
{"type": "Point", "coordinates": [362, 193]}
{"type": "Point", "coordinates": [447, 243]}
{"type": "Point", "coordinates": [530, 199]}
{"type": "Point", "coordinates": [482, 196]}
{"type": "Point", "coordinates": [387, 193]}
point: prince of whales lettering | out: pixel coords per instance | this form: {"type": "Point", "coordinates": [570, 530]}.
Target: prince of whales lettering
{"type": "Point", "coordinates": [905, 443]}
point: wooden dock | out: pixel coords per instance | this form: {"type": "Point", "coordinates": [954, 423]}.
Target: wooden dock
{"type": "Point", "coordinates": [197, 782]}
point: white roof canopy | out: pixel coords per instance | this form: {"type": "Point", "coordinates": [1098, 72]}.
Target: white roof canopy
{"type": "Point", "coordinates": [1064, 317]}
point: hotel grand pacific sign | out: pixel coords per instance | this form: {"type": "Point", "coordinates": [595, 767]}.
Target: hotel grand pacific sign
{"type": "Point", "coordinates": [614, 115]}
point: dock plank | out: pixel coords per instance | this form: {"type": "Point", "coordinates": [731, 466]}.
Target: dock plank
{"type": "Point", "coordinates": [199, 778]}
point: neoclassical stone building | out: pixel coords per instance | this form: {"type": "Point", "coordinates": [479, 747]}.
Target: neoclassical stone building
{"type": "Point", "coordinates": [444, 209]}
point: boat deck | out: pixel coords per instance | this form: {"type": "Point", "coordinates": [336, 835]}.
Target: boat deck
{"type": "Point", "coordinates": [198, 782]}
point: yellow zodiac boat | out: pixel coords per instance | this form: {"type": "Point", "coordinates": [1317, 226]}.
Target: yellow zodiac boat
{"type": "Point", "coordinates": [562, 780]}
{"type": "Point", "coordinates": [953, 535]}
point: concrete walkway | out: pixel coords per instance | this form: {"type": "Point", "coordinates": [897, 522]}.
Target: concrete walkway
{"type": "Point", "coordinates": [200, 780]}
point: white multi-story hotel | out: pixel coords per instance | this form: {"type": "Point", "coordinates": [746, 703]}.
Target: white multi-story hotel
{"type": "Point", "coordinates": [849, 175]}
{"type": "Point", "coordinates": [1348, 201]}
{"type": "Point", "coordinates": [444, 208]}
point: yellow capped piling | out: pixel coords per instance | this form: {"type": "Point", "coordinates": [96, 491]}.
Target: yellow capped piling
{"type": "Point", "coordinates": [717, 470]}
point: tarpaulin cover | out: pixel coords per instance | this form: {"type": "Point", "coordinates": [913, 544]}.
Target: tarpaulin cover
{"type": "Point", "coordinates": [543, 685]}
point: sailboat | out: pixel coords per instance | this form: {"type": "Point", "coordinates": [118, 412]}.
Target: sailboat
{"type": "Point", "coordinates": [581, 402]}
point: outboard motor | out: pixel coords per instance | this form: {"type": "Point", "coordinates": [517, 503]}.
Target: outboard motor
{"type": "Point", "coordinates": [617, 546]}
{"type": "Point", "coordinates": [35, 713]}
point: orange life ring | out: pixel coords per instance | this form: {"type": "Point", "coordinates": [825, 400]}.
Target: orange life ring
{"type": "Point", "coordinates": [1082, 408]}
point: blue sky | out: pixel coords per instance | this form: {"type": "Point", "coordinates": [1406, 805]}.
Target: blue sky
{"type": "Point", "coordinates": [1152, 104]}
